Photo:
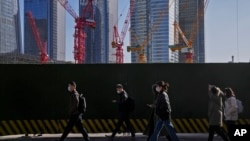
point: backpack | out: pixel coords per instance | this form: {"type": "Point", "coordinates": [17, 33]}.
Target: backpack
{"type": "Point", "coordinates": [240, 106]}
{"type": "Point", "coordinates": [130, 102]}
{"type": "Point", "coordinates": [82, 104]}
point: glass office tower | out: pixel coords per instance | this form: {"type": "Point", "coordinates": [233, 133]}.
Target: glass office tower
{"type": "Point", "coordinates": [10, 28]}
{"type": "Point", "coordinates": [50, 20]}
{"type": "Point", "coordinates": [152, 21]}
{"type": "Point", "coordinates": [191, 21]}
{"type": "Point", "coordinates": [98, 42]}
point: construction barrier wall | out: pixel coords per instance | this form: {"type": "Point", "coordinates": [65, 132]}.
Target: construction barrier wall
{"type": "Point", "coordinates": [34, 98]}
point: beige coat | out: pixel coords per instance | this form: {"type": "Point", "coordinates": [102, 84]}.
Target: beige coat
{"type": "Point", "coordinates": [215, 114]}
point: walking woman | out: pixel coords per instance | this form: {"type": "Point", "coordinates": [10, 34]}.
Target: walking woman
{"type": "Point", "coordinates": [231, 112]}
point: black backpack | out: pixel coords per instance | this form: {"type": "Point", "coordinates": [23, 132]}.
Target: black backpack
{"type": "Point", "coordinates": [82, 104]}
{"type": "Point", "coordinates": [130, 102]}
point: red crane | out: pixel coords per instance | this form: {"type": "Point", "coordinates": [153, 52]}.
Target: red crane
{"type": "Point", "coordinates": [117, 39]}
{"type": "Point", "coordinates": [42, 46]}
{"type": "Point", "coordinates": [81, 23]}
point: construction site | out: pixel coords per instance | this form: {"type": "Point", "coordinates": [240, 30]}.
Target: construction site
{"type": "Point", "coordinates": [183, 44]}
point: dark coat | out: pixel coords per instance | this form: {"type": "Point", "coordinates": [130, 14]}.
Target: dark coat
{"type": "Point", "coordinates": [123, 107]}
{"type": "Point", "coordinates": [74, 102]}
{"type": "Point", "coordinates": [163, 108]}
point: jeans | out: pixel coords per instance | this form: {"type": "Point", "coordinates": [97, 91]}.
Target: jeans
{"type": "Point", "coordinates": [170, 129]}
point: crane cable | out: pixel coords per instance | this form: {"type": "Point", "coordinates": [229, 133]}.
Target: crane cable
{"type": "Point", "coordinates": [237, 24]}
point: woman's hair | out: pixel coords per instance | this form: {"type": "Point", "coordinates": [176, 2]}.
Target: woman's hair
{"type": "Point", "coordinates": [163, 84]}
{"type": "Point", "coordinates": [229, 92]}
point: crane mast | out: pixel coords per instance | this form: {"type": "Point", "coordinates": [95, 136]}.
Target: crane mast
{"type": "Point", "coordinates": [42, 46]}
{"type": "Point", "coordinates": [81, 23]}
{"type": "Point", "coordinates": [118, 39]}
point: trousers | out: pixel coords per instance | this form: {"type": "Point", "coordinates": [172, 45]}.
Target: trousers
{"type": "Point", "coordinates": [170, 129]}
{"type": "Point", "coordinates": [75, 120]}
{"type": "Point", "coordinates": [219, 130]}
{"type": "Point", "coordinates": [124, 117]}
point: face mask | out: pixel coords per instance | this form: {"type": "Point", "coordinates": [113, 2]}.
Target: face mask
{"type": "Point", "coordinates": [69, 89]}
{"type": "Point", "coordinates": [157, 89]}
{"type": "Point", "coordinates": [118, 92]}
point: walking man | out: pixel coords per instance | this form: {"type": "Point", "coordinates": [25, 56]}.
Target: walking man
{"type": "Point", "coordinates": [75, 115]}
{"type": "Point", "coordinates": [123, 110]}
{"type": "Point", "coordinates": [163, 111]}
{"type": "Point", "coordinates": [215, 113]}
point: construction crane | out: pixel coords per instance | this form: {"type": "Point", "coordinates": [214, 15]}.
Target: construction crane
{"type": "Point", "coordinates": [117, 39]}
{"type": "Point", "coordinates": [187, 49]}
{"type": "Point", "coordinates": [42, 46]}
{"type": "Point", "coordinates": [140, 48]}
{"type": "Point", "coordinates": [87, 19]}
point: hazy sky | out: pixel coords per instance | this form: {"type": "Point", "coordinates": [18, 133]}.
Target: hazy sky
{"type": "Point", "coordinates": [221, 40]}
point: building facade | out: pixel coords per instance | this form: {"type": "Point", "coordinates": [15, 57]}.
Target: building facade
{"type": "Point", "coordinates": [113, 20]}
{"type": "Point", "coordinates": [50, 20]}
{"type": "Point", "coordinates": [152, 23]}
{"type": "Point", "coordinates": [191, 21]}
{"type": "Point", "coordinates": [10, 27]}
{"type": "Point", "coordinates": [98, 42]}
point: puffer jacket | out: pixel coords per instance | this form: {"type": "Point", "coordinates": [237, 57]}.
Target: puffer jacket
{"type": "Point", "coordinates": [231, 109]}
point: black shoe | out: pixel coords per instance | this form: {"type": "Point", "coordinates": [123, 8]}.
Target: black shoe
{"type": "Point", "coordinates": [87, 139]}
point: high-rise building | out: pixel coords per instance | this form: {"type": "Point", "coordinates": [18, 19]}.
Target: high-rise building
{"type": "Point", "coordinates": [191, 21]}
{"type": "Point", "coordinates": [50, 20]}
{"type": "Point", "coordinates": [10, 27]}
{"type": "Point", "coordinates": [98, 41]}
{"type": "Point", "coordinates": [139, 28]}
{"type": "Point", "coordinates": [113, 20]}
{"type": "Point", "coordinates": [152, 21]}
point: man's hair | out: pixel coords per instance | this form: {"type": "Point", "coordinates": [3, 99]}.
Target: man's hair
{"type": "Point", "coordinates": [214, 90]}
{"type": "Point", "coordinates": [119, 86]}
{"type": "Point", "coordinates": [73, 83]}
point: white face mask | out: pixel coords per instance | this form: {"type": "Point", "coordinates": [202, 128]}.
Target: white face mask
{"type": "Point", "coordinates": [69, 89]}
{"type": "Point", "coordinates": [118, 92]}
{"type": "Point", "coordinates": [158, 89]}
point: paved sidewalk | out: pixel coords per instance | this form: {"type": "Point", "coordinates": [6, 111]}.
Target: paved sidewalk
{"type": "Point", "coordinates": [102, 137]}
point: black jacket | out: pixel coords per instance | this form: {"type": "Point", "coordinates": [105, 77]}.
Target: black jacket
{"type": "Point", "coordinates": [163, 108]}
{"type": "Point", "coordinates": [74, 102]}
{"type": "Point", "coordinates": [123, 107]}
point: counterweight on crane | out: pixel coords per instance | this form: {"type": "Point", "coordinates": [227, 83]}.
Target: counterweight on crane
{"type": "Point", "coordinates": [42, 46]}
{"type": "Point", "coordinates": [187, 49]}
{"type": "Point", "coordinates": [87, 19]}
{"type": "Point", "coordinates": [117, 39]}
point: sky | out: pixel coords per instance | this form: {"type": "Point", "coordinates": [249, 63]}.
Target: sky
{"type": "Point", "coordinates": [227, 28]}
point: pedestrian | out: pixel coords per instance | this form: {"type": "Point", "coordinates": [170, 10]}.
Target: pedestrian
{"type": "Point", "coordinates": [163, 111]}
{"type": "Point", "coordinates": [75, 114]}
{"type": "Point", "coordinates": [215, 113]}
{"type": "Point", "coordinates": [153, 117]}
{"type": "Point", "coordinates": [123, 111]}
{"type": "Point", "coordinates": [231, 112]}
